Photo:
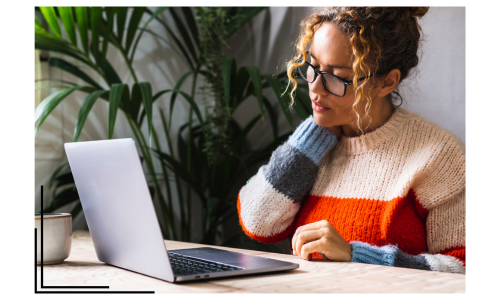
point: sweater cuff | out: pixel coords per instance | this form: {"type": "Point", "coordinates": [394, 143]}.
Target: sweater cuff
{"type": "Point", "coordinates": [365, 253]}
{"type": "Point", "coordinates": [313, 140]}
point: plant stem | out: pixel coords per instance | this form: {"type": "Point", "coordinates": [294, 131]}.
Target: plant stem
{"type": "Point", "coordinates": [177, 181]}
{"type": "Point", "coordinates": [96, 68]}
{"type": "Point", "coordinates": [115, 42]}
{"type": "Point", "coordinates": [142, 143]}
{"type": "Point", "coordinates": [193, 87]}
{"type": "Point", "coordinates": [167, 182]}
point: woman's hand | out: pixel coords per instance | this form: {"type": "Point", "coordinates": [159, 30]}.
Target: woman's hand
{"type": "Point", "coordinates": [320, 237]}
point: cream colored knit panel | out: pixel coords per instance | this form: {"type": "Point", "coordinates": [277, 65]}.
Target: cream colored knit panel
{"type": "Point", "coordinates": [420, 156]}
{"type": "Point", "coordinates": [446, 224]}
{"type": "Point", "coordinates": [264, 210]}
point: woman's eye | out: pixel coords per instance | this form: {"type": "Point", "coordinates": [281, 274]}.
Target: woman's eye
{"type": "Point", "coordinates": [317, 67]}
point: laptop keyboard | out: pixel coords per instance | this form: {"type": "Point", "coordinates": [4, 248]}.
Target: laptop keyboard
{"type": "Point", "coordinates": [186, 265]}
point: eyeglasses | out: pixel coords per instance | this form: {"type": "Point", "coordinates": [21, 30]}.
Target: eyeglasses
{"type": "Point", "coordinates": [332, 83]}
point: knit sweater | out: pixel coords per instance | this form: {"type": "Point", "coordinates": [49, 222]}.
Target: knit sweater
{"type": "Point", "coordinates": [396, 194]}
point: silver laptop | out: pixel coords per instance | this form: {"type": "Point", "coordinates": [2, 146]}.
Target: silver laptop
{"type": "Point", "coordinates": [123, 224]}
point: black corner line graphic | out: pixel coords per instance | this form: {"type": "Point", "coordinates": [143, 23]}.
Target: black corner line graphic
{"type": "Point", "coordinates": [42, 286]}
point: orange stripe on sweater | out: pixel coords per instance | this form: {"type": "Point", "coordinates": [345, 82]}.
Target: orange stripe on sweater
{"type": "Point", "coordinates": [399, 222]}
{"type": "Point", "coordinates": [457, 252]}
{"type": "Point", "coordinates": [264, 239]}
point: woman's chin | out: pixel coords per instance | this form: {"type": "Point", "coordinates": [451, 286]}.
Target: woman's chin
{"type": "Point", "coordinates": [322, 120]}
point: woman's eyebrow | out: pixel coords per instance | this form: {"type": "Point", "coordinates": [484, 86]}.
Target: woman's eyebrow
{"type": "Point", "coordinates": [330, 66]}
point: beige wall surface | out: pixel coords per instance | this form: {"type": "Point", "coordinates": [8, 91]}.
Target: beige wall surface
{"type": "Point", "coordinates": [437, 91]}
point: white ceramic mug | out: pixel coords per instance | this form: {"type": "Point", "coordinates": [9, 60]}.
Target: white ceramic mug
{"type": "Point", "coordinates": [57, 232]}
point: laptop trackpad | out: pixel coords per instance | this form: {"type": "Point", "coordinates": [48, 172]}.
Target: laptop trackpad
{"type": "Point", "coordinates": [231, 258]}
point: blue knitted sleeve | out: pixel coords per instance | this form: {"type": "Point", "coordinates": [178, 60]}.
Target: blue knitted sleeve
{"type": "Point", "coordinates": [391, 255]}
{"type": "Point", "coordinates": [269, 201]}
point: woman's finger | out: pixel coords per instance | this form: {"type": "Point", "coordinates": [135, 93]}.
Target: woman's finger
{"type": "Point", "coordinates": [306, 227]}
{"type": "Point", "coordinates": [307, 237]}
{"type": "Point", "coordinates": [309, 248]}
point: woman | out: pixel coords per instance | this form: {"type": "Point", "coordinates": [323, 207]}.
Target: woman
{"type": "Point", "coordinates": [361, 180]}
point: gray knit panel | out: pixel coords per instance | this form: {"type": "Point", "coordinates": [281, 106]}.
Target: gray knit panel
{"type": "Point", "coordinates": [404, 260]}
{"type": "Point", "coordinates": [291, 172]}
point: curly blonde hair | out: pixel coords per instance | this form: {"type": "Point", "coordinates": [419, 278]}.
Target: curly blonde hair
{"type": "Point", "coordinates": [382, 39]}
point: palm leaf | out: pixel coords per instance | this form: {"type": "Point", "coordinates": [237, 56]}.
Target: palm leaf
{"type": "Point", "coordinates": [182, 148]}
{"type": "Point", "coordinates": [135, 19]}
{"type": "Point", "coordinates": [272, 116]}
{"type": "Point", "coordinates": [56, 173]}
{"type": "Point", "coordinates": [87, 105]}
{"type": "Point", "coordinates": [147, 98]}
{"type": "Point", "coordinates": [64, 179]}
{"type": "Point", "coordinates": [174, 95]}
{"type": "Point", "coordinates": [156, 13]}
{"type": "Point", "coordinates": [175, 49]}
{"type": "Point", "coordinates": [85, 89]}
{"type": "Point", "coordinates": [95, 26]}
{"type": "Point", "coordinates": [50, 16]}
{"type": "Point", "coordinates": [66, 66]}
{"type": "Point", "coordinates": [257, 85]}
{"type": "Point", "coordinates": [68, 21]}
{"type": "Point", "coordinates": [110, 14]}
{"type": "Point", "coordinates": [236, 145]}
{"type": "Point", "coordinates": [45, 41]}
{"type": "Point", "coordinates": [160, 93]}
{"type": "Point", "coordinates": [121, 18]}
{"type": "Point", "coordinates": [110, 72]}
{"type": "Point", "coordinates": [175, 166]}
{"type": "Point", "coordinates": [115, 96]}
{"type": "Point", "coordinates": [194, 106]}
{"type": "Point", "coordinates": [83, 27]}
{"type": "Point", "coordinates": [228, 76]}
{"type": "Point", "coordinates": [135, 105]}
{"type": "Point", "coordinates": [193, 27]}
{"type": "Point", "coordinates": [178, 43]}
{"type": "Point", "coordinates": [248, 13]}
{"type": "Point", "coordinates": [306, 101]}
{"type": "Point", "coordinates": [155, 97]}
{"type": "Point", "coordinates": [51, 86]}
{"type": "Point", "coordinates": [186, 38]}
{"type": "Point", "coordinates": [242, 79]}
{"type": "Point", "coordinates": [48, 104]}
{"type": "Point", "coordinates": [39, 27]}
{"type": "Point", "coordinates": [276, 86]}
{"type": "Point", "coordinates": [66, 196]}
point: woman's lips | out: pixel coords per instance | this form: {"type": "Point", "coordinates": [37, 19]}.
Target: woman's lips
{"type": "Point", "coordinates": [317, 107]}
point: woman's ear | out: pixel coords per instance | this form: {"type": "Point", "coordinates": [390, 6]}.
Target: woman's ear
{"type": "Point", "coordinates": [389, 83]}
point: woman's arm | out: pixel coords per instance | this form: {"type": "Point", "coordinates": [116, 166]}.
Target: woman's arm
{"type": "Point", "coordinates": [439, 186]}
{"type": "Point", "coordinates": [446, 243]}
{"type": "Point", "coordinates": [269, 201]}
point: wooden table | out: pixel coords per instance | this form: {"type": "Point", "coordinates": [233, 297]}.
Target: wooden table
{"type": "Point", "coordinates": [83, 268]}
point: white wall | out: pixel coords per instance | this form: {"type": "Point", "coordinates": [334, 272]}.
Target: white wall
{"type": "Point", "coordinates": [437, 92]}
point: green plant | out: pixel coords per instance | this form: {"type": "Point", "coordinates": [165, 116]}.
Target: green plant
{"type": "Point", "coordinates": [203, 166]}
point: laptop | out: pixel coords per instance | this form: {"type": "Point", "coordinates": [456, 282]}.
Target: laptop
{"type": "Point", "coordinates": [123, 223]}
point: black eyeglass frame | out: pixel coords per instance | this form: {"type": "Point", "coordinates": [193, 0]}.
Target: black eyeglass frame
{"type": "Point", "coordinates": [316, 72]}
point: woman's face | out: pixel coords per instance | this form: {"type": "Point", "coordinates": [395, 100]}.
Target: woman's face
{"type": "Point", "coordinates": [331, 52]}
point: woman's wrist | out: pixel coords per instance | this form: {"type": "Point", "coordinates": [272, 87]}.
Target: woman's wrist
{"type": "Point", "coordinates": [313, 140]}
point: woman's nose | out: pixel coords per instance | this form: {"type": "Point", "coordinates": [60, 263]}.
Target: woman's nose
{"type": "Point", "coordinates": [317, 86]}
